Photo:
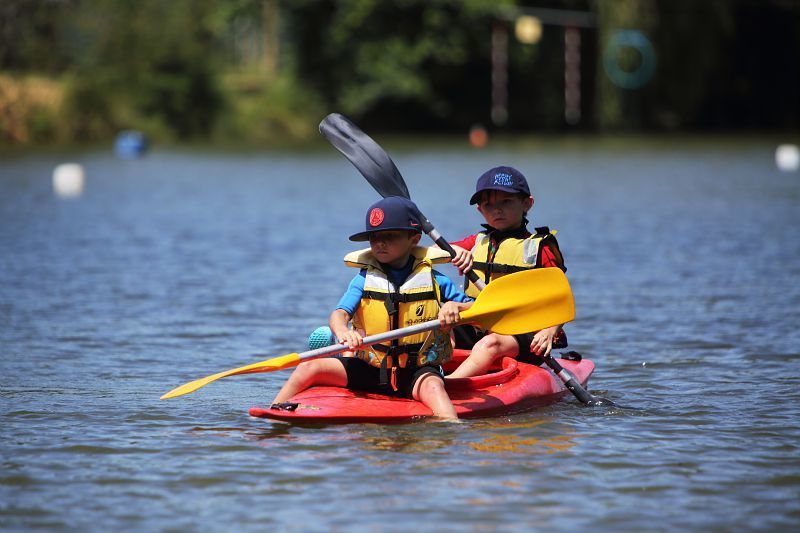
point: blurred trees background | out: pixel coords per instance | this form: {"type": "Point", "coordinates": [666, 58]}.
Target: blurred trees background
{"type": "Point", "coordinates": [264, 71]}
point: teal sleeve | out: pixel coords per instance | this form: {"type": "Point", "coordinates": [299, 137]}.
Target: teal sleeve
{"type": "Point", "coordinates": [352, 297]}
{"type": "Point", "coordinates": [450, 293]}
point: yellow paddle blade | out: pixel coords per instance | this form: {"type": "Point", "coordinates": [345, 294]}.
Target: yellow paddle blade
{"type": "Point", "coordinates": [276, 363]}
{"type": "Point", "coordinates": [523, 302]}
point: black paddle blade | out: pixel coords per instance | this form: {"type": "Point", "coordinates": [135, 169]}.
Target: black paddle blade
{"type": "Point", "coordinates": [365, 154]}
{"type": "Point", "coordinates": [603, 402]}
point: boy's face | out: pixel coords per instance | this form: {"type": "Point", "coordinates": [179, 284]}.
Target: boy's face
{"type": "Point", "coordinates": [393, 246]}
{"type": "Point", "coordinates": [502, 210]}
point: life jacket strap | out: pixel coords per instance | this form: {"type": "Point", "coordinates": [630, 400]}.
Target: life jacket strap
{"type": "Point", "coordinates": [497, 268]}
{"type": "Point", "coordinates": [405, 355]}
{"type": "Point", "coordinates": [398, 297]}
{"type": "Point", "coordinates": [407, 350]}
{"type": "Point", "coordinates": [391, 299]}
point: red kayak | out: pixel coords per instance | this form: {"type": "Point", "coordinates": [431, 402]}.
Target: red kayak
{"type": "Point", "coordinates": [512, 388]}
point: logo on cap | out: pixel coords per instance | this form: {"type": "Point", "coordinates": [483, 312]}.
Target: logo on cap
{"type": "Point", "coordinates": [503, 179]}
{"type": "Point", "coordinates": [376, 217]}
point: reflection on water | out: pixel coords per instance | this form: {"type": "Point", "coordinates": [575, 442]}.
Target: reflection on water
{"type": "Point", "coordinates": [405, 443]}
{"type": "Point", "coordinates": [685, 264]}
{"type": "Point", "coordinates": [498, 441]}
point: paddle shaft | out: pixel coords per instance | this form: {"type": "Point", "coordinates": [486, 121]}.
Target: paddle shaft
{"type": "Point", "coordinates": [293, 359]}
{"type": "Point", "coordinates": [570, 382]}
{"type": "Point", "coordinates": [372, 339]}
{"type": "Point", "coordinates": [442, 243]}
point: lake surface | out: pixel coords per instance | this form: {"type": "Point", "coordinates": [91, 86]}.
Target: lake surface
{"type": "Point", "coordinates": [684, 257]}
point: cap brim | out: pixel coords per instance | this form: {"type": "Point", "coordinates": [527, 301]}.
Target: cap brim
{"type": "Point", "coordinates": [474, 199]}
{"type": "Point", "coordinates": [364, 235]}
{"type": "Point", "coordinates": [358, 237]}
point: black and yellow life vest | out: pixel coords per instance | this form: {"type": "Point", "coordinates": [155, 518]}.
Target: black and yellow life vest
{"type": "Point", "coordinates": [384, 307]}
{"type": "Point", "coordinates": [514, 253]}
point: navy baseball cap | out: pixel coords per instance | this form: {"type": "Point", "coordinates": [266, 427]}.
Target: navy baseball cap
{"type": "Point", "coordinates": [506, 179]}
{"type": "Point", "coordinates": [391, 213]}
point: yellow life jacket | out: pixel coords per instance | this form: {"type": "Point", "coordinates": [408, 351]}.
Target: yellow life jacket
{"type": "Point", "coordinates": [514, 254]}
{"type": "Point", "coordinates": [384, 307]}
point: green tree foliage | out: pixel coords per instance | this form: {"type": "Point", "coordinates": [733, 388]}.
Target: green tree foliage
{"type": "Point", "coordinates": [207, 68]}
{"type": "Point", "coordinates": [618, 107]}
{"type": "Point", "coordinates": [144, 62]}
{"type": "Point", "coordinates": [30, 33]}
{"type": "Point", "coordinates": [702, 31]}
{"type": "Point", "coordinates": [691, 42]}
{"type": "Point", "coordinates": [406, 58]}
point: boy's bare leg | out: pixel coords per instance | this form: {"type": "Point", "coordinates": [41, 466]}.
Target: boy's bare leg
{"type": "Point", "coordinates": [429, 389]}
{"type": "Point", "coordinates": [316, 372]}
{"type": "Point", "coordinates": [484, 353]}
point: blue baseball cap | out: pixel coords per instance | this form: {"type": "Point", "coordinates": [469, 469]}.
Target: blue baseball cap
{"type": "Point", "coordinates": [390, 213]}
{"type": "Point", "coordinates": [506, 179]}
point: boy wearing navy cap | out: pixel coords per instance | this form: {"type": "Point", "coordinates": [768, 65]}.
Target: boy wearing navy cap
{"type": "Point", "coordinates": [396, 286]}
{"type": "Point", "coordinates": [505, 246]}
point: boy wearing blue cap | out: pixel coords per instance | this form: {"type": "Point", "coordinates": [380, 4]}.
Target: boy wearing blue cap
{"type": "Point", "coordinates": [396, 286]}
{"type": "Point", "coordinates": [505, 246]}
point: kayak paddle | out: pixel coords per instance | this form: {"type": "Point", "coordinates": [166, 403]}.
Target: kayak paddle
{"type": "Point", "coordinates": [379, 170]}
{"type": "Point", "coordinates": [377, 167]}
{"type": "Point", "coordinates": [513, 304]}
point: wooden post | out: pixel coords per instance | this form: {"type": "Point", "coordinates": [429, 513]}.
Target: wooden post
{"type": "Point", "coordinates": [572, 75]}
{"type": "Point", "coordinates": [271, 40]}
{"type": "Point", "coordinates": [499, 110]}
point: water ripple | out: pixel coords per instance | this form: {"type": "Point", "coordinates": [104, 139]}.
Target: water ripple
{"type": "Point", "coordinates": [110, 300]}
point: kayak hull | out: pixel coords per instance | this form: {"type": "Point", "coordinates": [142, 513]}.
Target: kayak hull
{"type": "Point", "coordinates": [510, 388]}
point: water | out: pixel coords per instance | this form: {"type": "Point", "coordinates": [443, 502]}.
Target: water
{"type": "Point", "coordinates": [685, 263]}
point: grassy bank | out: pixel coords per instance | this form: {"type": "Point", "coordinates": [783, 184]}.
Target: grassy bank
{"type": "Point", "coordinates": [30, 108]}
{"type": "Point", "coordinates": [252, 109]}
{"type": "Point", "coordinates": [259, 109]}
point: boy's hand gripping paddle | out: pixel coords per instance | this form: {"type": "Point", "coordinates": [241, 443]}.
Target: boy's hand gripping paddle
{"type": "Point", "coordinates": [513, 304]}
{"type": "Point", "coordinates": [380, 171]}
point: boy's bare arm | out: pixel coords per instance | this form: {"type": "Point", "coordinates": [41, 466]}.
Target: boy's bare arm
{"type": "Point", "coordinates": [338, 323]}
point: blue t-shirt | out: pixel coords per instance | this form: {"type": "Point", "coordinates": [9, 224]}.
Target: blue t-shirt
{"type": "Point", "coordinates": [352, 297]}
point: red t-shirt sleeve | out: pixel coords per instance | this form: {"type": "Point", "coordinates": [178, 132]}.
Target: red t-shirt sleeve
{"type": "Point", "coordinates": [467, 243]}
{"type": "Point", "coordinates": [547, 258]}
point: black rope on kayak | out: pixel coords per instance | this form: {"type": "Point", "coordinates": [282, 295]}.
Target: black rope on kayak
{"type": "Point", "coordinates": [284, 406]}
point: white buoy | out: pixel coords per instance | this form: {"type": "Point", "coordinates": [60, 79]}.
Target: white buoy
{"type": "Point", "coordinates": [787, 157]}
{"type": "Point", "coordinates": [68, 179]}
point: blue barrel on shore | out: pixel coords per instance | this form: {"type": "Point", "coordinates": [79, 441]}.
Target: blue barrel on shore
{"type": "Point", "coordinates": [130, 144]}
